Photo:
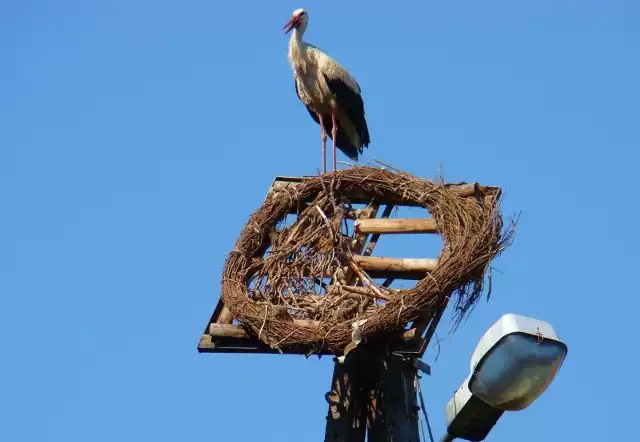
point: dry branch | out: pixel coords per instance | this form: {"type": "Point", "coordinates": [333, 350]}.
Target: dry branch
{"type": "Point", "coordinates": [349, 289]}
{"type": "Point", "coordinates": [226, 317]}
{"type": "Point", "coordinates": [390, 265]}
{"type": "Point", "coordinates": [398, 225]}
{"type": "Point", "coordinates": [227, 330]}
{"type": "Point", "coordinates": [364, 278]}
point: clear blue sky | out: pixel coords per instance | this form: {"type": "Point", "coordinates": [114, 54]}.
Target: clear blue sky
{"type": "Point", "coordinates": [137, 136]}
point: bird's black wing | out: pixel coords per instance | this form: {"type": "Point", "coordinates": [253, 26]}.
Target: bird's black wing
{"type": "Point", "coordinates": [343, 142]}
{"type": "Point", "coordinates": [351, 102]}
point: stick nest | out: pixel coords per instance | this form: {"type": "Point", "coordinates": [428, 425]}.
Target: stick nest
{"type": "Point", "coordinates": [272, 278]}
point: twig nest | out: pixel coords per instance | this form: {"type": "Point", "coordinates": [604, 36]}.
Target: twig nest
{"type": "Point", "coordinates": [274, 280]}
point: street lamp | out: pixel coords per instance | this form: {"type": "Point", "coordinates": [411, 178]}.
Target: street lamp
{"type": "Point", "coordinates": [513, 364]}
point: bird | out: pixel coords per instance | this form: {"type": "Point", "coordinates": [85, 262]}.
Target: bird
{"type": "Point", "coordinates": [331, 95]}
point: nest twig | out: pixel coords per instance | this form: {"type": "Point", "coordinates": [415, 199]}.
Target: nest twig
{"type": "Point", "coordinates": [278, 297]}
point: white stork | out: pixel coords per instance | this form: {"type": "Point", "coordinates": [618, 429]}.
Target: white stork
{"type": "Point", "coordinates": [332, 96]}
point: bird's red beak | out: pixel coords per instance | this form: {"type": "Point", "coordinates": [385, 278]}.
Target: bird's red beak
{"type": "Point", "coordinates": [292, 23]}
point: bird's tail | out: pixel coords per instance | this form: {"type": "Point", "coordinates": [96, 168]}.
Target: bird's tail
{"type": "Point", "coordinates": [348, 150]}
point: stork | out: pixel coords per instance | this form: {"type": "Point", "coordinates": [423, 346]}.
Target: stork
{"type": "Point", "coordinates": [331, 95]}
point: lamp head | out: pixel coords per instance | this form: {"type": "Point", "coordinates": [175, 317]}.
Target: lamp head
{"type": "Point", "coordinates": [515, 362]}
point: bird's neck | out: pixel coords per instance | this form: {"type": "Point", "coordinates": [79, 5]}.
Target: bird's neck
{"type": "Point", "coordinates": [297, 53]}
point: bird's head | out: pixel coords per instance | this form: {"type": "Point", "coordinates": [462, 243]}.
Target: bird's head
{"type": "Point", "coordinates": [298, 20]}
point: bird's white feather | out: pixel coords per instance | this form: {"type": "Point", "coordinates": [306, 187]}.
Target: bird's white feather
{"type": "Point", "coordinates": [334, 71]}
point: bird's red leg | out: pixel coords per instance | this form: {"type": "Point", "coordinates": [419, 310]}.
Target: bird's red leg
{"type": "Point", "coordinates": [334, 134]}
{"type": "Point", "coordinates": [323, 139]}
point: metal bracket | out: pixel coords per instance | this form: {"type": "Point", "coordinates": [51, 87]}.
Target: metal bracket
{"type": "Point", "coordinates": [422, 366]}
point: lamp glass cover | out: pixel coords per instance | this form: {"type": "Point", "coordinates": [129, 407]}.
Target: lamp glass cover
{"type": "Point", "coordinates": [517, 370]}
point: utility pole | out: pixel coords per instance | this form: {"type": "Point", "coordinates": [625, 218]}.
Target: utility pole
{"type": "Point", "coordinates": [376, 392]}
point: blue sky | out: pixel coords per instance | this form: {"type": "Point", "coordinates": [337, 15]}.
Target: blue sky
{"type": "Point", "coordinates": [137, 137]}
